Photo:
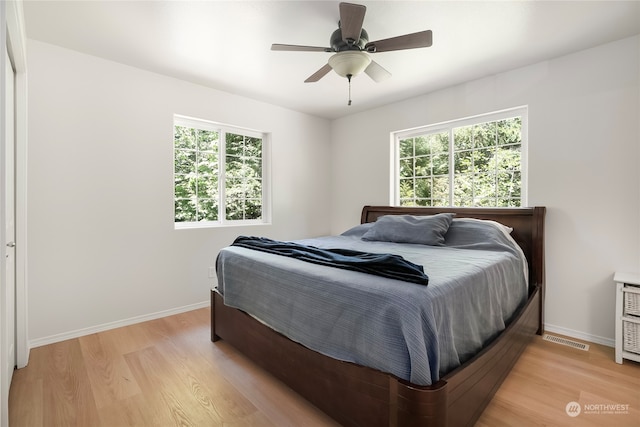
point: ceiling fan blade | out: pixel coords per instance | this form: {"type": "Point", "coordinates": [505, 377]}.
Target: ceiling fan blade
{"type": "Point", "coordinates": [377, 72]}
{"type": "Point", "coordinates": [297, 48]}
{"type": "Point", "coordinates": [319, 74]}
{"type": "Point", "coordinates": [408, 41]}
{"type": "Point", "coordinates": [351, 19]}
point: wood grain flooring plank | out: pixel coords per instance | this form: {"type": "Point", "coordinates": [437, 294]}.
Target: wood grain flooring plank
{"type": "Point", "coordinates": [26, 402]}
{"type": "Point", "coordinates": [210, 389]}
{"type": "Point", "coordinates": [128, 339]}
{"type": "Point", "coordinates": [160, 385]}
{"type": "Point", "coordinates": [129, 412]}
{"type": "Point", "coordinates": [69, 399]}
{"type": "Point", "coordinates": [110, 376]}
{"type": "Point", "coordinates": [548, 377]}
{"type": "Point", "coordinates": [281, 404]}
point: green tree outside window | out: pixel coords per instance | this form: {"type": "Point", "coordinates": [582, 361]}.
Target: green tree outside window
{"type": "Point", "coordinates": [210, 187]}
{"type": "Point", "coordinates": [472, 165]}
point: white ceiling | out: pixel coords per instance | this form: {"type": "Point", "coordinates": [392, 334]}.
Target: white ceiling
{"type": "Point", "coordinates": [226, 44]}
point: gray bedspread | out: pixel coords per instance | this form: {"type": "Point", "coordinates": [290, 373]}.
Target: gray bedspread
{"type": "Point", "coordinates": [417, 333]}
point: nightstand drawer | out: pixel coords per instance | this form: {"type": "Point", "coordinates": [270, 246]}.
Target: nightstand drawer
{"type": "Point", "coordinates": [632, 301]}
{"type": "Point", "coordinates": [631, 336]}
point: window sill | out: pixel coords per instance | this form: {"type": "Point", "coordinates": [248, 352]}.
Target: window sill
{"type": "Point", "coordinates": [211, 224]}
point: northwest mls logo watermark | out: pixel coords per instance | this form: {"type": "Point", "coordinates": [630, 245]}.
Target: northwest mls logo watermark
{"type": "Point", "coordinates": [573, 409]}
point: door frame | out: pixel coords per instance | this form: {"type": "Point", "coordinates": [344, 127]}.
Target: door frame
{"type": "Point", "coordinates": [17, 41]}
{"type": "Point", "coordinates": [13, 26]}
{"type": "Point", "coordinates": [13, 37]}
{"type": "Point", "coordinates": [7, 233]}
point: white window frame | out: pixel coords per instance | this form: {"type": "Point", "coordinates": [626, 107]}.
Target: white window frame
{"type": "Point", "coordinates": [180, 120]}
{"type": "Point", "coordinates": [448, 126]}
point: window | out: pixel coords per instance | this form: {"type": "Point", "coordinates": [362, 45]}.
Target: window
{"type": "Point", "coordinates": [219, 174]}
{"type": "Point", "coordinates": [471, 162]}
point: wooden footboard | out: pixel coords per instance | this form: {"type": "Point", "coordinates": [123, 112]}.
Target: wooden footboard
{"type": "Point", "coordinates": [359, 396]}
{"type": "Point", "coordinates": [472, 386]}
{"type": "Point", "coordinates": [351, 394]}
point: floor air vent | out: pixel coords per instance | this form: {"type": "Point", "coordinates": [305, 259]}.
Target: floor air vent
{"type": "Point", "coordinates": [566, 341]}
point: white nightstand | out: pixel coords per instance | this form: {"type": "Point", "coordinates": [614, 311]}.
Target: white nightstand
{"type": "Point", "coordinates": [627, 316]}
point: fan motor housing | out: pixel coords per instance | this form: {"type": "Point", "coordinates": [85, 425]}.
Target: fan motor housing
{"type": "Point", "coordinates": [339, 45]}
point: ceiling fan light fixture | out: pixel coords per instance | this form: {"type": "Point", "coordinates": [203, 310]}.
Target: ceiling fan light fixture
{"type": "Point", "coordinates": [349, 63]}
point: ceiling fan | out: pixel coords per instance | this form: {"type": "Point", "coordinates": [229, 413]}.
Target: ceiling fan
{"type": "Point", "coordinates": [352, 47]}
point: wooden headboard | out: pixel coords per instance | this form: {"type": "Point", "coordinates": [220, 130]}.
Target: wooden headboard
{"type": "Point", "coordinates": [527, 224]}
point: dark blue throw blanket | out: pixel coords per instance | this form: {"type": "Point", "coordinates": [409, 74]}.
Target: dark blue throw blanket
{"type": "Point", "coordinates": [385, 265]}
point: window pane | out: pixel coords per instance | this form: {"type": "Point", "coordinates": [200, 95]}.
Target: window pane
{"type": "Point", "coordinates": [463, 162]}
{"type": "Point", "coordinates": [207, 210]}
{"type": "Point", "coordinates": [508, 157]}
{"type": "Point", "coordinates": [422, 146]}
{"type": "Point", "coordinates": [234, 188]}
{"type": "Point", "coordinates": [184, 137]}
{"type": "Point", "coordinates": [184, 161]}
{"type": "Point", "coordinates": [440, 164]}
{"type": "Point", "coordinates": [509, 131]}
{"type": "Point", "coordinates": [253, 168]}
{"type": "Point", "coordinates": [234, 144]}
{"type": "Point", "coordinates": [253, 147]}
{"type": "Point", "coordinates": [509, 203]}
{"type": "Point", "coordinates": [234, 167]}
{"type": "Point", "coordinates": [440, 190]}
{"type": "Point", "coordinates": [253, 209]}
{"type": "Point", "coordinates": [509, 184]}
{"type": "Point", "coordinates": [484, 185]}
{"type": "Point", "coordinates": [483, 160]}
{"type": "Point", "coordinates": [207, 163]}
{"type": "Point", "coordinates": [207, 140]}
{"type": "Point", "coordinates": [235, 209]}
{"type": "Point", "coordinates": [253, 188]}
{"type": "Point", "coordinates": [462, 201]}
{"type": "Point", "coordinates": [185, 210]}
{"type": "Point", "coordinates": [440, 143]}
{"type": "Point", "coordinates": [406, 189]}
{"type": "Point", "coordinates": [244, 177]}
{"type": "Point", "coordinates": [207, 187]}
{"type": "Point", "coordinates": [406, 168]}
{"type": "Point", "coordinates": [181, 185]}
{"type": "Point", "coordinates": [484, 135]}
{"type": "Point", "coordinates": [462, 138]}
{"type": "Point", "coordinates": [423, 166]}
{"type": "Point", "coordinates": [483, 203]}
{"type": "Point", "coordinates": [423, 187]}
{"type": "Point", "coordinates": [462, 190]}
{"type": "Point", "coordinates": [406, 148]}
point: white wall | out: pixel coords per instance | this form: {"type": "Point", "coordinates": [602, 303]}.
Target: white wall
{"type": "Point", "coordinates": [584, 151]}
{"type": "Point", "coordinates": [102, 245]}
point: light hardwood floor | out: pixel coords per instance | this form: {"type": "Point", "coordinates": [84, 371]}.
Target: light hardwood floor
{"type": "Point", "coordinates": [167, 372]}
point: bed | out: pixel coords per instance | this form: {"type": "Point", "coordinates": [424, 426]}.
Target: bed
{"type": "Point", "coordinates": [359, 395]}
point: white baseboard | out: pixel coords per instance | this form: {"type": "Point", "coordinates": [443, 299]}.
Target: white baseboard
{"type": "Point", "coordinates": [579, 335]}
{"type": "Point", "coordinates": [138, 319]}
{"type": "Point", "coordinates": [117, 324]}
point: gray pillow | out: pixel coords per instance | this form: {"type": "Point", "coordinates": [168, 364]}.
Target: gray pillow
{"type": "Point", "coordinates": [424, 230]}
{"type": "Point", "coordinates": [358, 230]}
{"type": "Point", "coordinates": [471, 232]}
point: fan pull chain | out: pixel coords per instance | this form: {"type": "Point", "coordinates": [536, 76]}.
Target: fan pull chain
{"type": "Point", "coordinates": [349, 78]}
